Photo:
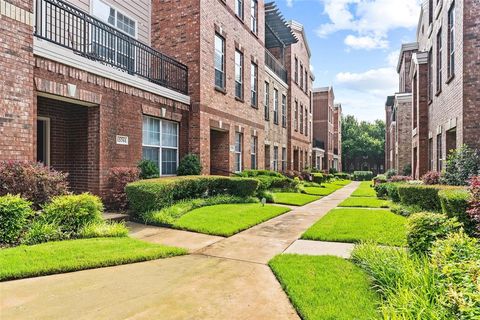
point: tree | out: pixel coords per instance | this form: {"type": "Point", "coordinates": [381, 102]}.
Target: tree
{"type": "Point", "coordinates": [363, 144]}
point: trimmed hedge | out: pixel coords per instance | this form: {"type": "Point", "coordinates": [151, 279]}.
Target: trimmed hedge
{"type": "Point", "coordinates": [319, 178]}
{"type": "Point", "coordinates": [342, 175]}
{"type": "Point", "coordinates": [426, 197]}
{"type": "Point", "coordinates": [155, 194]}
{"type": "Point", "coordinates": [455, 203]}
{"type": "Point", "coordinates": [14, 215]}
{"type": "Point", "coordinates": [269, 179]}
{"type": "Point", "coordinates": [362, 175]}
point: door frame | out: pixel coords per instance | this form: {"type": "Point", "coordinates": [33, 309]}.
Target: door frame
{"type": "Point", "coordinates": [46, 120]}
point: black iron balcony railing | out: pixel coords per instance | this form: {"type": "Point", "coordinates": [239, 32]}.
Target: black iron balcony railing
{"type": "Point", "coordinates": [275, 66]}
{"type": "Point", "coordinates": [69, 27]}
{"type": "Point", "coordinates": [319, 144]}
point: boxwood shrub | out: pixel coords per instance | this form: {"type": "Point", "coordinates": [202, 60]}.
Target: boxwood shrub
{"type": "Point", "coordinates": [455, 203]}
{"type": "Point", "coordinates": [362, 175]}
{"type": "Point", "coordinates": [424, 196]}
{"type": "Point", "coordinates": [155, 194]}
{"type": "Point", "coordinates": [342, 175]}
{"type": "Point", "coordinates": [319, 178]}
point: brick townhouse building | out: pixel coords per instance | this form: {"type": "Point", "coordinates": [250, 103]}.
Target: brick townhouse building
{"type": "Point", "coordinates": [83, 90]}
{"type": "Point", "coordinates": [337, 137]}
{"type": "Point", "coordinates": [445, 76]}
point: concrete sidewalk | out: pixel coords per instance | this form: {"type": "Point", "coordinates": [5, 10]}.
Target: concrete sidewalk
{"type": "Point", "coordinates": [226, 278]}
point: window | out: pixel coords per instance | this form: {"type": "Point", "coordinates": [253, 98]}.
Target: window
{"type": "Point", "coordinates": [311, 101]}
{"type": "Point", "coordinates": [239, 8]}
{"type": "Point", "coordinates": [306, 122]}
{"type": "Point", "coordinates": [306, 80]}
{"type": "Point", "coordinates": [439, 153]}
{"type": "Point", "coordinates": [43, 140]}
{"type": "Point", "coordinates": [301, 119]}
{"type": "Point", "coordinates": [239, 75]}
{"type": "Point", "coordinates": [296, 70]}
{"type": "Point", "coordinates": [301, 76]}
{"type": "Point", "coordinates": [253, 152]}
{"type": "Point", "coordinates": [219, 62]}
{"type": "Point", "coordinates": [114, 18]}
{"type": "Point", "coordinates": [451, 41]}
{"type": "Point", "coordinates": [284, 159]}
{"type": "Point", "coordinates": [275, 106]}
{"type": "Point", "coordinates": [238, 151]}
{"type": "Point", "coordinates": [275, 158]}
{"type": "Point", "coordinates": [254, 84]}
{"type": "Point", "coordinates": [430, 154]}
{"type": "Point", "coordinates": [295, 119]}
{"type": "Point", "coordinates": [430, 11]}
{"type": "Point", "coordinates": [160, 144]}
{"type": "Point", "coordinates": [254, 17]}
{"type": "Point", "coordinates": [439, 60]}
{"type": "Point", "coordinates": [430, 76]}
{"type": "Point", "coordinates": [284, 111]}
{"type": "Point", "coordinates": [267, 101]}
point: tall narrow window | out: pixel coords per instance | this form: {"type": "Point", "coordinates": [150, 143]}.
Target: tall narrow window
{"type": "Point", "coordinates": [238, 151]}
{"type": "Point", "coordinates": [267, 101]}
{"type": "Point", "coordinates": [275, 106]}
{"type": "Point", "coordinates": [439, 152]}
{"type": "Point", "coordinates": [439, 60]}
{"type": "Point", "coordinates": [306, 121]}
{"type": "Point", "coordinates": [219, 62]}
{"type": "Point", "coordinates": [275, 158]}
{"type": "Point", "coordinates": [430, 76]}
{"type": "Point", "coordinates": [296, 70]}
{"type": "Point", "coordinates": [301, 119]}
{"type": "Point", "coordinates": [306, 80]}
{"type": "Point", "coordinates": [253, 152]}
{"type": "Point", "coordinates": [301, 76]}
{"type": "Point", "coordinates": [295, 119]}
{"type": "Point", "coordinates": [430, 11]}
{"type": "Point", "coordinates": [239, 74]}
{"type": "Point", "coordinates": [254, 16]}
{"type": "Point", "coordinates": [284, 159]}
{"type": "Point", "coordinates": [451, 41]}
{"type": "Point", "coordinates": [284, 111]}
{"type": "Point", "coordinates": [239, 8]}
{"type": "Point", "coordinates": [254, 84]}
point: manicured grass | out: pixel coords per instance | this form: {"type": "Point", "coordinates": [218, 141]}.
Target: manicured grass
{"type": "Point", "coordinates": [342, 183]}
{"type": "Point", "coordinates": [326, 287]}
{"type": "Point", "coordinates": [364, 190]}
{"type": "Point", "coordinates": [293, 199]}
{"type": "Point", "coordinates": [72, 255]}
{"type": "Point", "coordinates": [324, 190]}
{"type": "Point", "coordinates": [355, 225]}
{"type": "Point", "coordinates": [365, 202]}
{"type": "Point", "coordinates": [227, 219]}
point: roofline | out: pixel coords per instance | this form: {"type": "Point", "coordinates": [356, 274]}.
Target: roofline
{"type": "Point", "coordinates": [299, 27]}
{"type": "Point", "coordinates": [405, 47]}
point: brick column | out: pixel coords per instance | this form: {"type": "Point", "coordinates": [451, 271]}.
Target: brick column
{"type": "Point", "coordinates": [17, 103]}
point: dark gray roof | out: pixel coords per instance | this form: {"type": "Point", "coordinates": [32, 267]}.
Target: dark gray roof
{"type": "Point", "coordinates": [277, 30]}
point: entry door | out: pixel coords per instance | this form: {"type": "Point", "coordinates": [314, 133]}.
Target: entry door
{"type": "Point", "coordinates": [43, 140]}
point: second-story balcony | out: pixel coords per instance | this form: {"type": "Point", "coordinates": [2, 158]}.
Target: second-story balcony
{"type": "Point", "coordinates": [273, 64]}
{"type": "Point", "coordinates": [63, 24]}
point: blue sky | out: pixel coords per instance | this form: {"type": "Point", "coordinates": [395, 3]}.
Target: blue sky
{"type": "Point", "coordinates": [355, 45]}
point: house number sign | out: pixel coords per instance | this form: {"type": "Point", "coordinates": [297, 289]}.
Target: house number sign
{"type": "Point", "coordinates": [122, 140]}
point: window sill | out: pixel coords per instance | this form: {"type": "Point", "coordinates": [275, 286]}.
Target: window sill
{"type": "Point", "coordinates": [438, 93]}
{"type": "Point", "coordinates": [239, 99]}
{"type": "Point", "coordinates": [450, 79]}
{"type": "Point", "coordinates": [240, 18]}
{"type": "Point", "coordinates": [254, 106]}
{"type": "Point", "coordinates": [222, 90]}
{"type": "Point", "coordinates": [430, 101]}
{"type": "Point", "coordinates": [254, 34]}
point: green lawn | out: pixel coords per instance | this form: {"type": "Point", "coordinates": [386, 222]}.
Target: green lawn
{"type": "Point", "coordinates": [227, 219]}
{"type": "Point", "coordinates": [356, 224]}
{"type": "Point", "coordinates": [324, 190]}
{"type": "Point", "coordinates": [293, 199]}
{"type": "Point", "coordinates": [326, 287]}
{"type": "Point", "coordinates": [365, 202]}
{"type": "Point", "coordinates": [365, 190]}
{"type": "Point", "coordinates": [342, 183]}
{"type": "Point", "coordinates": [72, 255]}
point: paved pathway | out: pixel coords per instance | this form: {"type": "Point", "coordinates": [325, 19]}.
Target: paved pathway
{"type": "Point", "coordinates": [224, 278]}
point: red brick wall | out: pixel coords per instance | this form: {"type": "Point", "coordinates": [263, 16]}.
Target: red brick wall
{"type": "Point", "coordinates": [420, 140]}
{"type": "Point", "coordinates": [16, 87]}
{"type": "Point", "coordinates": [403, 134]}
{"type": "Point", "coordinates": [323, 127]}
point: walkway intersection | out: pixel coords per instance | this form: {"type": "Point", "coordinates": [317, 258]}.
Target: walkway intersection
{"type": "Point", "coordinates": [222, 278]}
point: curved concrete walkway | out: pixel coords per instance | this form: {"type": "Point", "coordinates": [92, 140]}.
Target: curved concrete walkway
{"type": "Point", "coordinates": [223, 278]}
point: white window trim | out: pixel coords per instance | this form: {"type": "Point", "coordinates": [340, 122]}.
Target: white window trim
{"type": "Point", "coordinates": [119, 11]}
{"type": "Point", "coordinates": [47, 138]}
{"type": "Point", "coordinates": [239, 152]}
{"type": "Point", "coordinates": [160, 147]}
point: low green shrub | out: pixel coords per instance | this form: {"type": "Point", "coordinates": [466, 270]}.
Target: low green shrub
{"type": "Point", "coordinates": [14, 215]}
{"type": "Point", "coordinates": [40, 231]}
{"type": "Point", "coordinates": [73, 212]}
{"type": "Point", "coordinates": [362, 175]}
{"type": "Point", "coordinates": [423, 229]}
{"type": "Point", "coordinates": [319, 178]}
{"type": "Point", "coordinates": [189, 166]}
{"type": "Point", "coordinates": [256, 173]}
{"type": "Point", "coordinates": [155, 194]}
{"type": "Point", "coordinates": [148, 169]}
{"type": "Point", "coordinates": [455, 203]}
{"type": "Point", "coordinates": [405, 210]}
{"type": "Point", "coordinates": [268, 195]}
{"type": "Point", "coordinates": [424, 196]}
{"type": "Point", "coordinates": [102, 229]}
{"type": "Point", "coordinates": [457, 259]}
{"type": "Point", "coordinates": [342, 175]}
{"type": "Point", "coordinates": [392, 191]}
{"type": "Point", "coordinates": [381, 190]}
{"type": "Point", "coordinates": [390, 173]}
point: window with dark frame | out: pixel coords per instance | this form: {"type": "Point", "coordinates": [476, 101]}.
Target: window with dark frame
{"type": "Point", "coordinates": [439, 60]}
{"type": "Point", "coordinates": [295, 119]}
{"type": "Point", "coordinates": [430, 11]}
{"type": "Point", "coordinates": [284, 111]}
{"type": "Point", "coordinates": [306, 80]}
{"type": "Point", "coordinates": [296, 70]}
{"type": "Point", "coordinates": [439, 153]}
{"type": "Point", "coordinates": [267, 101]}
{"type": "Point", "coordinates": [219, 61]}
{"type": "Point", "coordinates": [238, 74]}
{"type": "Point", "coordinates": [275, 158]}
{"type": "Point", "coordinates": [284, 159]}
{"type": "Point", "coordinates": [451, 41]}
{"type": "Point", "coordinates": [301, 76]}
{"type": "Point", "coordinates": [430, 75]}
{"type": "Point", "coordinates": [253, 152]}
{"type": "Point", "coordinates": [239, 8]}
{"type": "Point", "coordinates": [254, 85]}
{"type": "Point", "coordinates": [275, 106]}
{"type": "Point", "coordinates": [254, 16]}
{"type": "Point", "coordinates": [306, 121]}
{"type": "Point", "coordinates": [301, 118]}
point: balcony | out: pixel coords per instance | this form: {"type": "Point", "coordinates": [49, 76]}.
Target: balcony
{"type": "Point", "coordinates": [64, 25]}
{"type": "Point", "coordinates": [319, 144]}
{"type": "Point", "coordinates": [273, 64]}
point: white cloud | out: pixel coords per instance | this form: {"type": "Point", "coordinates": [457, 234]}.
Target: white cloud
{"type": "Point", "coordinates": [392, 58]}
{"type": "Point", "coordinates": [370, 20]}
{"type": "Point", "coordinates": [290, 3]}
{"type": "Point", "coordinates": [365, 42]}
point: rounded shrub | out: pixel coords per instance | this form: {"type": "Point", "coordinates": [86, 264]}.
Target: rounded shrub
{"type": "Point", "coordinates": [455, 203]}
{"type": "Point", "coordinates": [148, 169]}
{"type": "Point", "coordinates": [424, 228]}
{"type": "Point", "coordinates": [73, 212]}
{"type": "Point", "coordinates": [189, 166]}
{"type": "Point", "coordinates": [14, 214]}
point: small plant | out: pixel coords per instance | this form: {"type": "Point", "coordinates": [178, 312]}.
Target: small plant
{"type": "Point", "coordinates": [148, 169]}
{"type": "Point", "coordinates": [407, 170]}
{"type": "Point", "coordinates": [101, 229]}
{"type": "Point", "coordinates": [400, 179]}
{"type": "Point", "coordinates": [423, 229]}
{"type": "Point", "coordinates": [474, 205]}
{"type": "Point", "coordinates": [117, 181]}
{"type": "Point", "coordinates": [390, 173]}
{"type": "Point", "coordinates": [73, 212]}
{"type": "Point", "coordinates": [32, 181]}
{"type": "Point", "coordinates": [332, 171]}
{"type": "Point", "coordinates": [14, 214]}
{"type": "Point", "coordinates": [404, 210]}
{"type": "Point", "coordinates": [462, 164]}
{"type": "Point", "coordinates": [40, 231]}
{"type": "Point", "coordinates": [431, 178]}
{"type": "Point", "coordinates": [189, 166]}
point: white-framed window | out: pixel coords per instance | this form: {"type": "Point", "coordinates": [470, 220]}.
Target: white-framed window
{"type": "Point", "coordinates": [238, 74]}
{"type": "Point", "coordinates": [275, 106]}
{"type": "Point", "coordinates": [160, 144]}
{"type": "Point", "coordinates": [239, 8]}
{"type": "Point", "coordinates": [301, 118]}
{"type": "Point", "coordinates": [267, 101]}
{"type": "Point", "coordinates": [253, 152]}
{"type": "Point", "coordinates": [439, 60]}
{"type": "Point", "coordinates": [284, 111]}
{"type": "Point", "coordinates": [254, 84]}
{"type": "Point", "coordinates": [254, 16]}
{"type": "Point", "coordinates": [295, 119]}
{"type": "Point", "coordinates": [238, 151]}
{"type": "Point", "coordinates": [275, 158]}
{"type": "Point", "coordinates": [219, 61]}
{"type": "Point", "coordinates": [451, 40]}
{"type": "Point", "coordinates": [284, 159]}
